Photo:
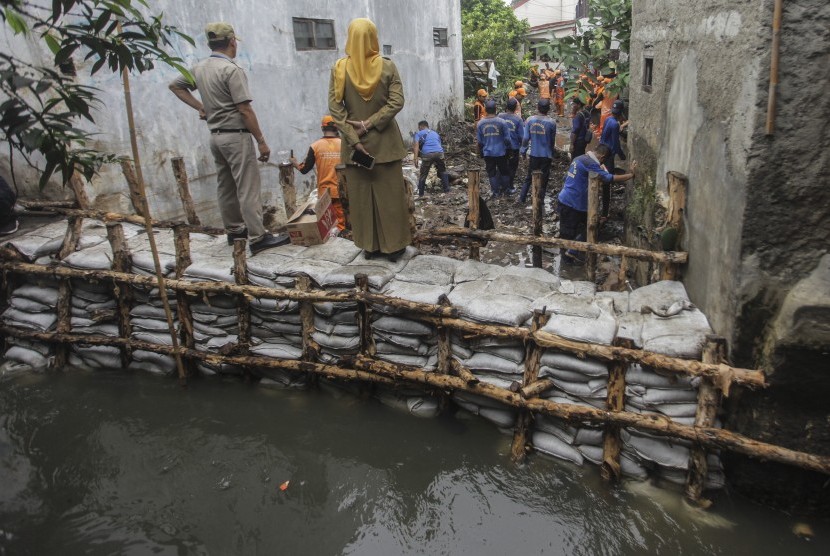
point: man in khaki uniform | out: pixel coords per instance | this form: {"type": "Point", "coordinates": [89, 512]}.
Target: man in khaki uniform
{"type": "Point", "coordinates": [226, 105]}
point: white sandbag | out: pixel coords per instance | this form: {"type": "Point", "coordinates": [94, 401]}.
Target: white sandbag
{"type": "Point", "coordinates": [326, 327]}
{"type": "Point", "coordinates": [551, 445]}
{"type": "Point", "coordinates": [159, 337]}
{"type": "Point", "coordinates": [658, 396]}
{"type": "Point", "coordinates": [558, 396]}
{"type": "Point", "coordinates": [278, 351]}
{"type": "Point", "coordinates": [499, 381]}
{"type": "Point", "coordinates": [514, 353]}
{"type": "Point", "coordinates": [270, 328]}
{"type": "Point", "coordinates": [40, 293]}
{"type": "Point", "coordinates": [432, 270]}
{"type": "Point", "coordinates": [335, 250]}
{"type": "Point", "coordinates": [578, 288]}
{"type": "Point", "coordinates": [503, 418]}
{"type": "Point", "coordinates": [344, 276]}
{"type": "Point", "coordinates": [601, 330]}
{"type": "Point", "coordinates": [210, 270]}
{"type": "Point", "coordinates": [630, 327]}
{"type": "Point", "coordinates": [340, 343]}
{"type": "Point", "coordinates": [27, 356]}
{"type": "Point", "coordinates": [279, 378]}
{"type": "Point", "coordinates": [394, 349]}
{"type": "Point", "coordinates": [426, 362]}
{"type": "Point", "coordinates": [507, 309]}
{"type": "Point", "coordinates": [664, 452]}
{"type": "Point", "coordinates": [619, 300]}
{"type": "Point", "coordinates": [476, 399]}
{"type": "Point", "coordinates": [557, 303]}
{"type": "Point", "coordinates": [631, 467]}
{"type": "Point", "coordinates": [470, 271]}
{"type": "Point", "coordinates": [316, 269]}
{"type": "Point", "coordinates": [657, 295]}
{"type": "Point", "coordinates": [407, 327]}
{"type": "Point", "coordinates": [41, 347]}
{"type": "Point", "coordinates": [411, 342]}
{"type": "Point", "coordinates": [532, 273]}
{"type": "Point", "coordinates": [590, 436]}
{"type": "Point", "coordinates": [413, 291]}
{"type": "Point", "coordinates": [645, 376]}
{"type": "Point", "coordinates": [274, 305]}
{"type": "Point", "coordinates": [527, 288]}
{"type": "Point", "coordinates": [596, 388]}
{"type": "Point", "coordinates": [42, 322]}
{"type": "Point", "coordinates": [28, 305]}
{"type": "Point", "coordinates": [560, 429]}
{"type": "Point", "coordinates": [485, 362]}
{"type": "Point", "coordinates": [565, 361]}
{"type": "Point", "coordinates": [591, 453]}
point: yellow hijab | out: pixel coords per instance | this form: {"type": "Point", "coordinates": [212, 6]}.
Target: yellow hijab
{"type": "Point", "coordinates": [362, 62]}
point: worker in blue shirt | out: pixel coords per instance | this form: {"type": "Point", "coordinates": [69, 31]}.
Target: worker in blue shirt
{"type": "Point", "coordinates": [493, 142]}
{"type": "Point", "coordinates": [516, 133]}
{"type": "Point", "coordinates": [611, 138]}
{"type": "Point", "coordinates": [427, 146]}
{"type": "Point", "coordinates": [581, 133]}
{"type": "Point", "coordinates": [540, 134]}
{"type": "Point", "coordinates": [573, 199]}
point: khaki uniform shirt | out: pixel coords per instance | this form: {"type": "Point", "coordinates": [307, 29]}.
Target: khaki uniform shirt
{"type": "Point", "coordinates": [222, 85]}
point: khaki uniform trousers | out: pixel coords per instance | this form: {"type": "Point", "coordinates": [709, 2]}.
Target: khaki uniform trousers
{"type": "Point", "coordinates": [239, 189]}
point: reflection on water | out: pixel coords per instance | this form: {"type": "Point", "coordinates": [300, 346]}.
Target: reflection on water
{"type": "Point", "coordinates": [114, 463]}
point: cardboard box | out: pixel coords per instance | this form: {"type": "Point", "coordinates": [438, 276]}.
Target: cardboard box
{"type": "Point", "coordinates": [312, 222]}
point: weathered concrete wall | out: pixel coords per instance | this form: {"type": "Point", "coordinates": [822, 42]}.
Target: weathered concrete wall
{"type": "Point", "coordinates": [289, 87]}
{"type": "Point", "coordinates": [757, 221]}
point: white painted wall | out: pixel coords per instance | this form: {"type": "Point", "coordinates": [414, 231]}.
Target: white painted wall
{"type": "Point", "coordinates": [541, 12]}
{"type": "Point", "coordinates": [289, 87]}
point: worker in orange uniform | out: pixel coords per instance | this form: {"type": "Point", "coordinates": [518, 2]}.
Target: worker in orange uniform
{"type": "Point", "coordinates": [521, 93]}
{"type": "Point", "coordinates": [325, 154]}
{"type": "Point", "coordinates": [544, 85]}
{"type": "Point", "coordinates": [559, 92]}
{"type": "Point", "coordinates": [478, 107]}
{"type": "Point", "coordinates": [604, 102]}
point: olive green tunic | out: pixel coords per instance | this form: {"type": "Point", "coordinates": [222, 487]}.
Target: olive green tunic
{"type": "Point", "coordinates": [377, 198]}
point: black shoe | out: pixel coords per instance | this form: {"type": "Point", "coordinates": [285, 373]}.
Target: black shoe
{"type": "Point", "coordinates": [369, 255]}
{"type": "Point", "coordinates": [237, 235]}
{"type": "Point", "coordinates": [9, 227]}
{"type": "Point", "coordinates": [268, 241]}
{"type": "Point", "coordinates": [393, 257]}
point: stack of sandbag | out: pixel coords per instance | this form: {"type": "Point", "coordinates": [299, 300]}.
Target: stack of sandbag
{"type": "Point", "coordinates": [661, 319]}
{"type": "Point", "coordinates": [399, 338]}
{"type": "Point", "coordinates": [147, 316]}
{"type": "Point", "coordinates": [496, 296]}
{"type": "Point", "coordinates": [31, 306]}
{"type": "Point", "coordinates": [215, 316]}
{"type": "Point", "coordinates": [94, 308]}
{"type": "Point", "coordinates": [575, 314]}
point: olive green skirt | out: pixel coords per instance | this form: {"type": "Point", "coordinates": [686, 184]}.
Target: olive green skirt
{"type": "Point", "coordinates": [378, 208]}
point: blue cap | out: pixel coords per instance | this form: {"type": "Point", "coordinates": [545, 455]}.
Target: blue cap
{"type": "Point", "coordinates": [490, 105]}
{"type": "Point", "coordinates": [617, 107]}
{"type": "Point", "coordinates": [512, 103]}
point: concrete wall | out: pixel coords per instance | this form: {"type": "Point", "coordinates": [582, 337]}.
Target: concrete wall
{"type": "Point", "coordinates": [757, 225]}
{"type": "Point", "coordinates": [289, 87]}
{"type": "Point", "coordinates": [541, 12]}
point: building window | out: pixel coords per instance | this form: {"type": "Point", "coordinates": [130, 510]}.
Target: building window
{"type": "Point", "coordinates": [648, 73]}
{"type": "Point", "coordinates": [387, 49]}
{"type": "Point", "coordinates": [314, 34]}
{"type": "Point", "coordinates": [439, 36]}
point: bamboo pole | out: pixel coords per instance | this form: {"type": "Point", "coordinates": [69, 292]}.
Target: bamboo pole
{"type": "Point", "coordinates": [181, 238]}
{"type": "Point", "coordinates": [594, 189]}
{"type": "Point", "coordinates": [76, 182]}
{"type": "Point", "coordinates": [105, 217]}
{"type": "Point", "coordinates": [121, 263]}
{"type": "Point", "coordinates": [615, 401]}
{"type": "Point", "coordinates": [473, 193]}
{"type": "Point", "coordinates": [444, 355]}
{"type": "Point", "coordinates": [139, 196]}
{"type": "Point", "coordinates": [180, 172]}
{"type": "Point", "coordinates": [435, 314]}
{"type": "Point", "coordinates": [534, 389]}
{"type": "Point", "coordinates": [677, 185]}
{"type": "Point", "coordinates": [379, 371]}
{"type": "Point", "coordinates": [777, 17]}
{"type": "Point", "coordinates": [343, 190]}
{"type": "Point", "coordinates": [63, 308]}
{"type": "Point", "coordinates": [708, 402]}
{"type": "Point", "coordinates": [289, 190]}
{"type": "Point", "coordinates": [310, 348]}
{"type": "Point", "coordinates": [533, 354]}
{"type": "Point", "coordinates": [240, 272]}
{"type": "Point", "coordinates": [538, 213]}
{"type": "Point", "coordinates": [451, 232]}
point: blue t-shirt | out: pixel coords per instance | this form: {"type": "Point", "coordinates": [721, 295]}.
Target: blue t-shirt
{"type": "Point", "coordinates": [611, 135]}
{"type": "Point", "coordinates": [429, 141]}
{"type": "Point", "coordinates": [492, 136]}
{"type": "Point", "coordinates": [516, 129]}
{"type": "Point", "coordinates": [540, 132]}
{"type": "Point", "coordinates": [575, 191]}
{"type": "Point", "coordinates": [578, 127]}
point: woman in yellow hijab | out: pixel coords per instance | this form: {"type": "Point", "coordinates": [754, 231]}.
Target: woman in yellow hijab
{"type": "Point", "coordinates": [365, 94]}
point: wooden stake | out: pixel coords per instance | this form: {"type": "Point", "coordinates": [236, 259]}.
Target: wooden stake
{"type": "Point", "coordinates": [677, 184]}
{"type": "Point", "coordinates": [410, 207]}
{"type": "Point", "coordinates": [615, 401]}
{"type": "Point", "coordinates": [449, 233]}
{"type": "Point", "coordinates": [289, 190]}
{"type": "Point", "coordinates": [622, 274]}
{"type": "Point", "coordinates": [240, 272]}
{"type": "Point", "coordinates": [473, 192]}
{"type": "Point", "coordinates": [180, 173]}
{"type": "Point", "coordinates": [777, 17]}
{"type": "Point", "coordinates": [538, 214]}
{"type": "Point", "coordinates": [367, 345]}
{"type": "Point", "coordinates": [310, 348]}
{"type": "Point", "coordinates": [123, 294]}
{"type": "Point", "coordinates": [708, 402]}
{"type": "Point", "coordinates": [343, 190]}
{"type": "Point", "coordinates": [76, 182]}
{"type": "Point", "coordinates": [138, 194]}
{"type": "Point", "coordinates": [181, 238]}
{"type": "Point", "coordinates": [533, 354]}
{"type": "Point", "coordinates": [594, 189]}
{"type": "Point", "coordinates": [534, 389]}
{"type": "Point", "coordinates": [74, 227]}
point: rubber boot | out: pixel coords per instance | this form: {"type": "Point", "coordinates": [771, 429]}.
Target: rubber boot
{"type": "Point", "coordinates": [506, 182]}
{"type": "Point", "coordinates": [422, 183]}
{"type": "Point", "coordinates": [445, 181]}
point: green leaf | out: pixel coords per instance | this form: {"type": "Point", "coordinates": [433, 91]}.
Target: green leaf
{"type": "Point", "coordinates": [15, 22]}
{"type": "Point", "coordinates": [52, 43]}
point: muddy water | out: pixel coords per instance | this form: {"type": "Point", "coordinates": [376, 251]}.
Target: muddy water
{"type": "Point", "coordinates": [114, 463]}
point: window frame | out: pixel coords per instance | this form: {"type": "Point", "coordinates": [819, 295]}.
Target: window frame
{"type": "Point", "coordinates": [648, 72]}
{"type": "Point", "coordinates": [437, 41]}
{"type": "Point", "coordinates": [314, 33]}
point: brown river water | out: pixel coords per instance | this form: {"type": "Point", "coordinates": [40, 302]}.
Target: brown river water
{"type": "Point", "coordinates": [119, 463]}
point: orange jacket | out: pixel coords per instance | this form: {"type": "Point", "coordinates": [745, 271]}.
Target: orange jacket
{"type": "Point", "coordinates": [478, 110]}
{"type": "Point", "coordinates": [326, 157]}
